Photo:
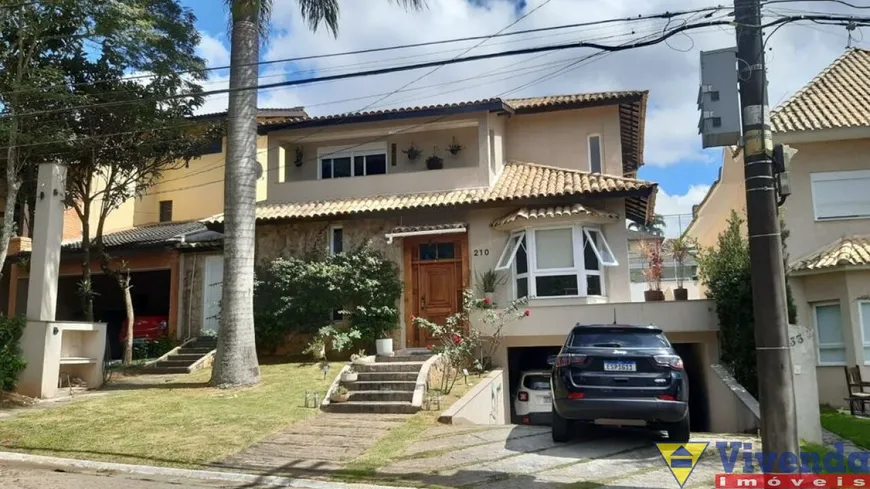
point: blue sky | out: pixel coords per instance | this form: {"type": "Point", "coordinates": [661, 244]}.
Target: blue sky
{"type": "Point", "coordinates": [669, 71]}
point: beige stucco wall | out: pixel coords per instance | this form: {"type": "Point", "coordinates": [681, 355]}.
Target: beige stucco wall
{"type": "Point", "coordinates": [727, 194]}
{"type": "Point", "coordinates": [560, 138]}
{"type": "Point", "coordinates": [807, 234]}
{"type": "Point", "coordinates": [196, 191]}
{"type": "Point", "coordinates": [846, 288]}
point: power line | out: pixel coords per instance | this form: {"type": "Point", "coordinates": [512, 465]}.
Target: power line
{"type": "Point", "coordinates": [664, 15]}
{"type": "Point", "coordinates": [382, 71]}
{"type": "Point", "coordinates": [841, 2]}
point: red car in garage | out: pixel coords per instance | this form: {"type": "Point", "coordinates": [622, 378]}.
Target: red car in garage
{"type": "Point", "coordinates": [146, 328]}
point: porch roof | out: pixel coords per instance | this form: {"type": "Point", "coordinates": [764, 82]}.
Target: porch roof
{"type": "Point", "coordinates": [519, 181]}
{"type": "Point", "coordinates": [553, 212]}
{"type": "Point", "coordinates": [846, 251]}
{"type": "Point", "coordinates": [153, 235]}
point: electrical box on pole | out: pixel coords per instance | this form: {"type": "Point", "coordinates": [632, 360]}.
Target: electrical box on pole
{"type": "Point", "coordinates": [718, 102]}
{"type": "Point", "coordinates": [782, 155]}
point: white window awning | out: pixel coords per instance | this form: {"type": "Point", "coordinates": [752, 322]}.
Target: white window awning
{"type": "Point", "coordinates": [423, 230]}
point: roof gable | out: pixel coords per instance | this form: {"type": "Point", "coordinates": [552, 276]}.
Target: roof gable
{"type": "Point", "coordinates": [837, 98]}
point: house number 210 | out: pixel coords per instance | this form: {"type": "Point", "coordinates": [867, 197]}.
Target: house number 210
{"type": "Point", "coordinates": [481, 252]}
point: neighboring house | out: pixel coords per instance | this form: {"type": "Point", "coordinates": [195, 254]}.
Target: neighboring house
{"type": "Point", "coordinates": [539, 191]}
{"type": "Point", "coordinates": [175, 262]}
{"type": "Point", "coordinates": [827, 215]}
{"type": "Point", "coordinates": [638, 262]}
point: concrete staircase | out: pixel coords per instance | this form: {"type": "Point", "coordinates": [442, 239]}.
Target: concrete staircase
{"type": "Point", "coordinates": [385, 386]}
{"type": "Point", "coordinates": [185, 359]}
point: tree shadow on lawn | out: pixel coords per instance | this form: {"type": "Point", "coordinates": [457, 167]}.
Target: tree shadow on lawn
{"type": "Point", "coordinates": [521, 441]}
{"type": "Point", "coordinates": [131, 386]}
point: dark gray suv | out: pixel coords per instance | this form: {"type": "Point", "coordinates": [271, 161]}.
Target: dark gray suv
{"type": "Point", "coordinates": [622, 372]}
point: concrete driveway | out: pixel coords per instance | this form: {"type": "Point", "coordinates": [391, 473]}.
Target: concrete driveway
{"type": "Point", "coordinates": [525, 457]}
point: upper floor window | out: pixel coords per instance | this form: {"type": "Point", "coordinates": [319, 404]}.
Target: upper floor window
{"type": "Point", "coordinates": [165, 210]}
{"type": "Point", "coordinates": [841, 194]}
{"type": "Point", "coordinates": [352, 161]}
{"type": "Point", "coordinates": [595, 153]}
{"type": "Point", "coordinates": [557, 262]}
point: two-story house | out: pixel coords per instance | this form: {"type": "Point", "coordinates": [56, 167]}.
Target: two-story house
{"type": "Point", "coordinates": [827, 215]}
{"type": "Point", "coordinates": [537, 189]}
{"type": "Point", "coordinates": [173, 258]}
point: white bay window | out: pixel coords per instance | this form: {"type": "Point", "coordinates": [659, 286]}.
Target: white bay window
{"type": "Point", "coordinates": [557, 262]}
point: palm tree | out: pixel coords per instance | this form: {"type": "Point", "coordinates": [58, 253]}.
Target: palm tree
{"type": "Point", "coordinates": [236, 358]}
{"type": "Point", "coordinates": [655, 227]}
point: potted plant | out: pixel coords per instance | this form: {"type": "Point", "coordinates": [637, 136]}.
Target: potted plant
{"type": "Point", "coordinates": [651, 250]}
{"type": "Point", "coordinates": [488, 282]}
{"type": "Point", "coordinates": [680, 249]}
{"type": "Point", "coordinates": [413, 152]}
{"type": "Point", "coordinates": [349, 375]}
{"type": "Point", "coordinates": [454, 148]}
{"type": "Point", "coordinates": [340, 394]}
{"type": "Point", "coordinates": [384, 346]}
{"type": "Point", "coordinates": [435, 162]}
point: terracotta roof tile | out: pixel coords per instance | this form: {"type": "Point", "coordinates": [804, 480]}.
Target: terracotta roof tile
{"type": "Point", "coordinates": [149, 235]}
{"type": "Point", "coordinates": [535, 213]}
{"type": "Point", "coordinates": [429, 227]}
{"type": "Point", "coordinates": [848, 251]}
{"type": "Point", "coordinates": [575, 98]}
{"type": "Point", "coordinates": [839, 97]}
{"type": "Point", "coordinates": [519, 180]}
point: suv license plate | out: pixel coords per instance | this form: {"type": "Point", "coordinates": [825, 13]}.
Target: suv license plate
{"type": "Point", "coordinates": [620, 366]}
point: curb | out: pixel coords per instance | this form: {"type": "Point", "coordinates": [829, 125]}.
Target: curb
{"type": "Point", "coordinates": [205, 475]}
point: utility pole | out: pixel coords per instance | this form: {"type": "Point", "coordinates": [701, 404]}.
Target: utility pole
{"type": "Point", "coordinates": [776, 383]}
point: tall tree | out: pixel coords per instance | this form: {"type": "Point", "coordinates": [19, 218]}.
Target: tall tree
{"type": "Point", "coordinates": [121, 150]}
{"type": "Point", "coordinates": [35, 38]}
{"type": "Point", "coordinates": [236, 359]}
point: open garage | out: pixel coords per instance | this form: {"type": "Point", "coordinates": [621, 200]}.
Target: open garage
{"type": "Point", "coordinates": [525, 358]}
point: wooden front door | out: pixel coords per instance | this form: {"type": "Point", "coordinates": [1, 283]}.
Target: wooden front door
{"type": "Point", "coordinates": [435, 275]}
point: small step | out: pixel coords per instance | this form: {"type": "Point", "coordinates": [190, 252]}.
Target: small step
{"type": "Point", "coordinates": [174, 363]}
{"type": "Point", "coordinates": [388, 407]}
{"type": "Point", "coordinates": [165, 370]}
{"type": "Point", "coordinates": [387, 376]}
{"type": "Point", "coordinates": [403, 358]}
{"type": "Point", "coordinates": [192, 357]}
{"type": "Point", "coordinates": [194, 351]}
{"type": "Point", "coordinates": [388, 367]}
{"type": "Point", "coordinates": [404, 386]}
{"type": "Point", "coordinates": [382, 395]}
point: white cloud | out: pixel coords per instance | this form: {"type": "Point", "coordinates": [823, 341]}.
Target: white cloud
{"type": "Point", "coordinates": [677, 209]}
{"type": "Point", "coordinates": [797, 54]}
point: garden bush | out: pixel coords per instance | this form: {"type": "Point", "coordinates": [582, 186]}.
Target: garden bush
{"type": "Point", "coordinates": [301, 295]}
{"type": "Point", "coordinates": [725, 271]}
{"type": "Point", "coordinates": [11, 358]}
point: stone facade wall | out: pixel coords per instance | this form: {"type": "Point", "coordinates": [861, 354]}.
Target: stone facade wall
{"type": "Point", "coordinates": [301, 239]}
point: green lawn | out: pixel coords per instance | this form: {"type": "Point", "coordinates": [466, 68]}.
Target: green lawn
{"type": "Point", "coordinates": [180, 423]}
{"type": "Point", "coordinates": [854, 429]}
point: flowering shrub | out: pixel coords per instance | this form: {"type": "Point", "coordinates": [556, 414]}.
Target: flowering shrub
{"type": "Point", "coordinates": [468, 339]}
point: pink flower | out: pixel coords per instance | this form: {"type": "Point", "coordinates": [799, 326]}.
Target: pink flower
{"type": "Point", "coordinates": [486, 300]}
{"type": "Point", "coordinates": [527, 313]}
{"type": "Point", "coordinates": [457, 339]}
{"type": "Point", "coordinates": [428, 347]}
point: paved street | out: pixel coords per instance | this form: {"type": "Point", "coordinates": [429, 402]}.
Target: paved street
{"type": "Point", "coordinates": [18, 476]}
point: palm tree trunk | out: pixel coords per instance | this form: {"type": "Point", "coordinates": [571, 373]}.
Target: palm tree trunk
{"type": "Point", "coordinates": [236, 357]}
